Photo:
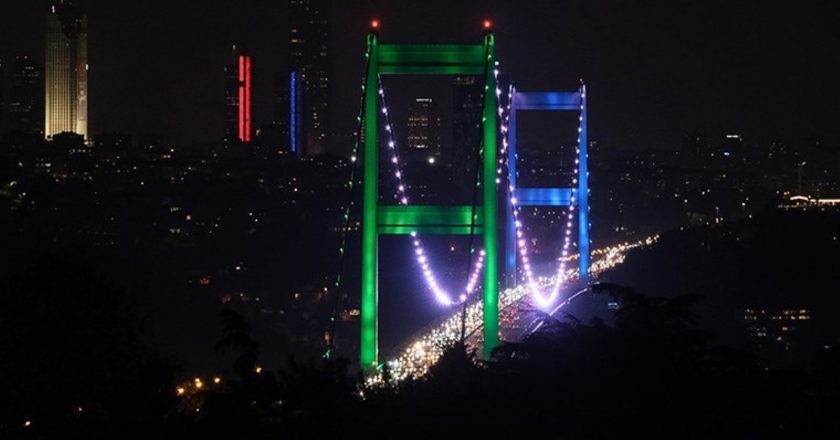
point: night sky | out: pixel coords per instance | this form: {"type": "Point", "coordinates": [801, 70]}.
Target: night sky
{"type": "Point", "coordinates": [656, 69]}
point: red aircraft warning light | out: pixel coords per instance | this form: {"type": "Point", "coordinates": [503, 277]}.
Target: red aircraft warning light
{"type": "Point", "coordinates": [374, 24]}
{"type": "Point", "coordinates": [487, 24]}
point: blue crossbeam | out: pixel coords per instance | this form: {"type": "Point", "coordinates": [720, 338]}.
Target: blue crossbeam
{"type": "Point", "coordinates": [543, 196]}
{"type": "Point", "coordinates": [547, 101]}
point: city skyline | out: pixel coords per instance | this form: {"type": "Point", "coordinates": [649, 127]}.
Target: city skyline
{"type": "Point", "coordinates": [662, 84]}
{"type": "Point", "coordinates": [392, 218]}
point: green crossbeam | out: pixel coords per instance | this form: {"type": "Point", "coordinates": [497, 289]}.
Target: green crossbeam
{"type": "Point", "coordinates": [432, 59]}
{"type": "Point", "coordinates": [425, 219]}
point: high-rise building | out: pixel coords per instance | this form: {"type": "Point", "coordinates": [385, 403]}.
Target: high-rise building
{"type": "Point", "coordinates": [289, 111]}
{"type": "Point", "coordinates": [25, 100]}
{"type": "Point", "coordinates": [238, 118]}
{"type": "Point", "coordinates": [423, 126]}
{"type": "Point", "coordinates": [281, 106]}
{"type": "Point", "coordinates": [66, 71]}
{"type": "Point", "coordinates": [467, 103]}
{"type": "Point", "coordinates": [309, 77]}
{"type": "Point", "coordinates": [430, 173]}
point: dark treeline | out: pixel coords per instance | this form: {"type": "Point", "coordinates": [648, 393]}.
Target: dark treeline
{"type": "Point", "coordinates": [778, 260]}
{"type": "Point", "coordinates": [74, 365]}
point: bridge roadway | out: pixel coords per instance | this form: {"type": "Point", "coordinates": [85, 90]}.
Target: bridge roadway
{"type": "Point", "coordinates": [518, 317]}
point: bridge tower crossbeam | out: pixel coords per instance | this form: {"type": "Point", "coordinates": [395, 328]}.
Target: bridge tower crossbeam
{"type": "Point", "coordinates": [575, 196]}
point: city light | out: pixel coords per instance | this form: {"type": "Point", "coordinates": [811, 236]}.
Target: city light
{"type": "Point", "coordinates": [226, 213]}
{"type": "Point", "coordinates": [423, 351]}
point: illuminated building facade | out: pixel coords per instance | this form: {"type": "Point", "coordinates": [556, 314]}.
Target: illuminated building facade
{"type": "Point", "coordinates": [238, 93]}
{"type": "Point", "coordinates": [295, 114]}
{"type": "Point", "coordinates": [431, 170]}
{"type": "Point", "coordinates": [66, 70]}
{"type": "Point", "coordinates": [423, 126]}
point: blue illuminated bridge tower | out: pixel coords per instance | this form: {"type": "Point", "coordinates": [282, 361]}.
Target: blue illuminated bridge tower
{"type": "Point", "coordinates": [578, 195]}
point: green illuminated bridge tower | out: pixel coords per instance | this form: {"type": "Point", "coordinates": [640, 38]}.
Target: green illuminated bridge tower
{"type": "Point", "coordinates": [442, 59]}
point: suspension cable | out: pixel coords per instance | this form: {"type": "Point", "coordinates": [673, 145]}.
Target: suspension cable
{"type": "Point", "coordinates": [402, 198]}
{"type": "Point", "coordinates": [342, 250]}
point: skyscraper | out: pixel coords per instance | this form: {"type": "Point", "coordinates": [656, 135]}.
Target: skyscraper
{"type": "Point", "coordinates": [281, 106]}
{"type": "Point", "coordinates": [24, 102]}
{"type": "Point", "coordinates": [66, 71]}
{"type": "Point", "coordinates": [309, 77]}
{"type": "Point", "coordinates": [423, 126]}
{"type": "Point", "coordinates": [238, 94]}
{"type": "Point", "coordinates": [289, 112]}
{"type": "Point", "coordinates": [467, 103]}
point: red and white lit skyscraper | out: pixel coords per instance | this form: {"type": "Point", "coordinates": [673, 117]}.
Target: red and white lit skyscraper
{"type": "Point", "coordinates": [238, 93]}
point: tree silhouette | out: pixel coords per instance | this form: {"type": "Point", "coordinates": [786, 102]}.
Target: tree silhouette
{"type": "Point", "coordinates": [72, 357]}
{"type": "Point", "coordinates": [236, 337]}
{"type": "Point", "coordinates": [71, 341]}
{"type": "Point", "coordinates": [651, 372]}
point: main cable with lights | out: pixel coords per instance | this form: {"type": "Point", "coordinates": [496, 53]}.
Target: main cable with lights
{"type": "Point", "coordinates": [401, 195]}
{"type": "Point", "coordinates": [521, 242]}
{"type": "Point", "coordinates": [346, 216]}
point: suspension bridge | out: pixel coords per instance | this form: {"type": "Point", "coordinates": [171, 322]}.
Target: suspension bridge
{"type": "Point", "coordinates": [500, 275]}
